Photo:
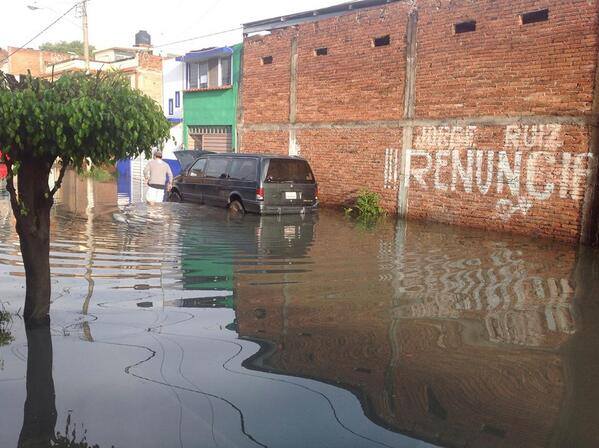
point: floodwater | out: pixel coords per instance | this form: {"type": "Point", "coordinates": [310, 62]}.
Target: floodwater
{"type": "Point", "coordinates": [178, 326]}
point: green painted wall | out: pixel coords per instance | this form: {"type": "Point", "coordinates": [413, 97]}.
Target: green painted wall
{"type": "Point", "coordinates": [214, 107]}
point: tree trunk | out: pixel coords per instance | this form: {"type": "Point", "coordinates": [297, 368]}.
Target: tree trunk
{"type": "Point", "coordinates": [33, 227]}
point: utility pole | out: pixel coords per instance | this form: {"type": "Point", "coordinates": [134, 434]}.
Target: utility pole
{"type": "Point", "coordinates": [85, 35]}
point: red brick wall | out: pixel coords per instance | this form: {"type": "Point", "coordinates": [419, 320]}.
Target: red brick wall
{"type": "Point", "coordinates": [266, 87]}
{"type": "Point", "coordinates": [504, 69]}
{"type": "Point", "coordinates": [535, 184]}
{"type": "Point", "coordinates": [33, 60]}
{"type": "Point", "coordinates": [354, 81]}
{"type": "Point", "coordinates": [344, 161]}
{"type": "Point", "coordinates": [272, 142]}
{"type": "Point", "coordinates": [149, 61]}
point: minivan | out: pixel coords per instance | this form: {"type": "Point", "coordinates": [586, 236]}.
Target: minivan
{"type": "Point", "coordinates": [254, 183]}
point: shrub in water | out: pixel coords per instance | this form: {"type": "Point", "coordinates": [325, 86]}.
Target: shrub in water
{"type": "Point", "coordinates": [367, 206]}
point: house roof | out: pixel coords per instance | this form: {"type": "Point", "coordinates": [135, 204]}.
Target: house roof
{"type": "Point", "coordinates": [311, 15]}
{"type": "Point", "coordinates": [204, 55]}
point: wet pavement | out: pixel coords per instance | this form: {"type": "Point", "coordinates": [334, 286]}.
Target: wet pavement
{"type": "Point", "coordinates": [179, 326]}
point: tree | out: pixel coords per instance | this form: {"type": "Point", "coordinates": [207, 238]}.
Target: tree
{"type": "Point", "coordinates": [69, 120]}
{"type": "Point", "coordinates": [75, 46]}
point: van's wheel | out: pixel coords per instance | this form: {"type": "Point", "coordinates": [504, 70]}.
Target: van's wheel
{"type": "Point", "coordinates": [236, 208]}
{"type": "Point", "coordinates": [175, 196]}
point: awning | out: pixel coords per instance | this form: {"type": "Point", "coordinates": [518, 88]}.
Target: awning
{"type": "Point", "coordinates": [204, 55]}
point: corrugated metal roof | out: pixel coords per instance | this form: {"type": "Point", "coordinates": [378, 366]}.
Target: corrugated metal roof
{"type": "Point", "coordinates": [204, 55]}
{"type": "Point", "coordinates": [312, 15]}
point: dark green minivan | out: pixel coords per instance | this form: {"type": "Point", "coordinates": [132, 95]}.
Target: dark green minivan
{"type": "Point", "coordinates": [254, 183]}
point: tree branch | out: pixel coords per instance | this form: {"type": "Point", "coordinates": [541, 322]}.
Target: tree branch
{"type": "Point", "coordinates": [58, 184]}
{"type": "Point", "coordinates": [10, 186]}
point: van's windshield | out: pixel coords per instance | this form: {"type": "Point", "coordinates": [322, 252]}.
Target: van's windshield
{"type": "Point", "coordinates": [286, 170]}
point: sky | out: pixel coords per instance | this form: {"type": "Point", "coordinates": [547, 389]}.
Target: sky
{"type": "Point", "coordinates": [115, 22]}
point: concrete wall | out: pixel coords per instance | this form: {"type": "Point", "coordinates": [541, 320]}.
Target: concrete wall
{"type": "Point", "coordinates": [173, 78]}
{"type": "Point", "coordinates": [490, 128]}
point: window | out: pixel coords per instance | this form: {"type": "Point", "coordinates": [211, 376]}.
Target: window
{"type": "Point", "coordinates": [217, 168]}
{"type": "Point", "coordinates": [199, 168]}
{"type": "Point", "coordinates": [177, 99]}
{"type": "Point", "coordinates": [243, 169]}
{"type": "Point", "coordinates": [285, 170]}
{"type": "Point", "coordinates": [209, 74]}
{"type": "Point", "coordinates": [321, 51]}
{"type": "Point", "coordinates": [266, 60]}
{"type": "Point", "coordinates": [225, 71]}
{"type": "Point", "coordinates": [197, 75]}
{"type": "Point", "coordinates": [203, 72]}
{"type": "Point", "coordinates": [465, 27]}
{"type": "Point", "coordinates": [381, 41]}
{"type": "Point", "coordinates": [170, 106]}
{"type": "Point", "coordinates": [534, 17]}
{"type": "Point", "coordinates": [193, 71]}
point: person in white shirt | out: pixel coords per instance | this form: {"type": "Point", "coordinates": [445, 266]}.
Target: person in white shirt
{"type": "Point", "coordinates": [159, 176]}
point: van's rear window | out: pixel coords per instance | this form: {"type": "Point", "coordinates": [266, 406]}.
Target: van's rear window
{"type": "Point", "coordinates": [284, 170]}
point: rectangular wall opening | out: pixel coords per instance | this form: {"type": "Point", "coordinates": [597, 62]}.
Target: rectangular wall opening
{"type": "Point", "coordinates": [465, 27]}
{"type": "Point", "coordinates": [266, 60]}
{"type": "Point", "coordinates": [321, 51]}
{"type": "Point", "coordinates": [534, 17]}
{"type": "Point", "coordinates": [381, 41]}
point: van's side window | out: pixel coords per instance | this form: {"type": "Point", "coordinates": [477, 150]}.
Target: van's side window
{"type": "Point", "coordinates": [217, 168]}
{"type": "Point", "coordinates": [199, 168]}
{"type": "Point", "coordinates": [243, 169]}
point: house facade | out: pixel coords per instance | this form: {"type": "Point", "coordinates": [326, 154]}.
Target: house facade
{"type": "Point", "coordinates": [437, 107]}
{"type": "Point", "coordinates": [210, 98]}
{"type": "Point", "coordinates": [173, 81]}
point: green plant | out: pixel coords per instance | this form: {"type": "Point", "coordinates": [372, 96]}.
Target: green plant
{"type": "Point", "coordinates": [98, 173]}
{"type": "Point", "coordinates": [78, 118]}
{"type": "Point", "coordinates": [367, 206]}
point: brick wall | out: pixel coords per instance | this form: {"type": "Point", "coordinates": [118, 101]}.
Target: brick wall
{"type": "Point", "coordinates": [354, 81]}
{"type": "Point", "coordinates": [266, 87]}
{"type": "Point", "coordinates": [345, 161]}
{"type": "Point", "coordinates": [504, 67]}
{"type": "Point", "coordinates": [33, 60]}
{"type": "Point", "coordinates": [3, 63]}
{"type": "Point", "coordinates": [500, 137]}
{"type": "Point", "coordinates": [149, 61]}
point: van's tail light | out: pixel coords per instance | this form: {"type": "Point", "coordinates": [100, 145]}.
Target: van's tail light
{"type": "Point", "coordinates": [316, 193]}
{"type": "Point", "coordinates": [259, 194]}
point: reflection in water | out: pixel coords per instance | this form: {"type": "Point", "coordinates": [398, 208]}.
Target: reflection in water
{"type": "Point", "coordinates": [177, 325]}
{"type": "Point", "coordinates": [40, 411]}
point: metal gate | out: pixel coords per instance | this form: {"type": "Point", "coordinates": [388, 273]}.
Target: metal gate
{"type": "Point", "coordinates": [211, 138]}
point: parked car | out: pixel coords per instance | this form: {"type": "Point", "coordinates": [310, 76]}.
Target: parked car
{"type": "Point", "coordinates": [187, 156]}
{"type": "Point", "coordinates": [254, 183]}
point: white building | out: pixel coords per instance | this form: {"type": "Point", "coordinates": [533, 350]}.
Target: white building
{"type": "Point", "coordinates": [173, 79]}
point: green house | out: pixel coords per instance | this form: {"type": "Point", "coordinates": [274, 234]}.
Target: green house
{"type": "Point", "coordinates": [210, 98]}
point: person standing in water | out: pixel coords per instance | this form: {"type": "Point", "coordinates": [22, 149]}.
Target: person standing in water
{"type": "Point", "coordinates": [159, 176]}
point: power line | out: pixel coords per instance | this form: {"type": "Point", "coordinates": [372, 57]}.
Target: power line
{"type": "Point", "coordinates": [199, 37]}
{"type": "Point", "coordinates": [40, 33]}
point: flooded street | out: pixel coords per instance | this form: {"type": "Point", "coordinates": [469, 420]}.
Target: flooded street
{"type": "Point", "coordinates": [177, 325]}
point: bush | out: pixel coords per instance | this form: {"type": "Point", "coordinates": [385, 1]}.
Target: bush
{"type": "Point", "coordinates": [98, 174]}
{"type": "Point", "coordinates": [367, 206]}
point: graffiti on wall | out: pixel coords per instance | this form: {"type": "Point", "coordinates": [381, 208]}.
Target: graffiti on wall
{"type": "Point", "coordinates": [530, 167]}
{"type": "Point", "coordinates": [391, 173]}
